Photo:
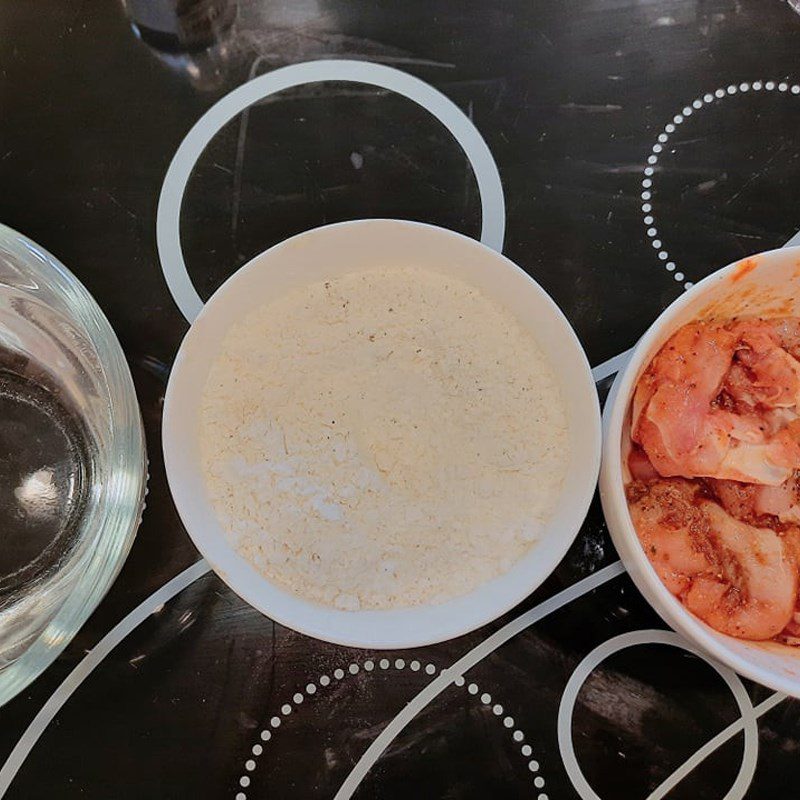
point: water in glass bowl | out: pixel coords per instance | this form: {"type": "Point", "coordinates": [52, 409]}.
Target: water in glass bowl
{"type": "Point", "coordinates": [72, 459]}
{"type": "Point", "coordinates": [44, 474]}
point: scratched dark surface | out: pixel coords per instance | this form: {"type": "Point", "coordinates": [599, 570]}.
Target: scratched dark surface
{"type": "Point", "coordinates": [570, 96]}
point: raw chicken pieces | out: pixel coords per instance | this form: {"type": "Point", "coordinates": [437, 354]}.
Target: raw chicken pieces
{"type": "Point", "coordinates": [715, 472]}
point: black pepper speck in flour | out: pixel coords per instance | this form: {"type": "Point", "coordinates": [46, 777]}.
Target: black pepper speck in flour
{"type": "Point", "coordinates": [383, 439]}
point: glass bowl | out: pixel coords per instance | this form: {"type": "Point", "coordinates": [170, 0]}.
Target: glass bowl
{"type": "Point", "coordinates": [73, 472]}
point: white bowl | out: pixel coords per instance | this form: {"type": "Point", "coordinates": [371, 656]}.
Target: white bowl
{"type": "Point", "coordinates": [351, 247]}
{"type": "Point", "coordinates": [767, 284]}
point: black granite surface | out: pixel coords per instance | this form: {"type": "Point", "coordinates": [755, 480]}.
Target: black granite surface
{"type": "Point", "coordinates": [570, 96]}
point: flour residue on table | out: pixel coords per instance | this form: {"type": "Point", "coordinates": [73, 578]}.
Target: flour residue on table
{"type": "Point", "coordinates": [384, 439]}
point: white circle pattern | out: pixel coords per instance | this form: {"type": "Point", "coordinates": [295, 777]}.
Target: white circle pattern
{"type": "Point", "coordinates": [652, 160]}
{"type": "Point", "coordinates": [311, 689]}
{"type": "Point", "coordinates": [648, 637]}
{"type": "Point", "coordinates": [461, 128]}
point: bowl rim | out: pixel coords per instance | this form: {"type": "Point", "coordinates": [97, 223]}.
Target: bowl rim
{"type": "Point", "coordinates": [109, 548]}
{"type": "Point", "coordinates": [615, 506]}
{"type": "Point", "coordinates": [400, 628]}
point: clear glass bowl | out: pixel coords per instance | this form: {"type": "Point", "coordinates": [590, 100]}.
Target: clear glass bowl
{"type": "Point", "coordinates": [74, 471]}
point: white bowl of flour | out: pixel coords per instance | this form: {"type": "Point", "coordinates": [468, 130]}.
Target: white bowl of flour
{"type": "Point", "coordinates": [381, 433]}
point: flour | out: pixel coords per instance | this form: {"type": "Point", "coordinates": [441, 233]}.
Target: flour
{"type": "Point", "coordinates": [381, 440]}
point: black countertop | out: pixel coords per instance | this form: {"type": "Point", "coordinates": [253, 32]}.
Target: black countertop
{"type": "Point", "coordinates": [573, 100]}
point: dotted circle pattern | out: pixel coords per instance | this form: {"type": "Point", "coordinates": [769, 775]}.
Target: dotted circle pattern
{"type": "Point", "coordinates": [663, 138]}
{"type": "Point", "coordinates": [517, 736]}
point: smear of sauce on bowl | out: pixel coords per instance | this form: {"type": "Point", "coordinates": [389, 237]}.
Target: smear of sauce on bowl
{"type": "Point", "coordinates": [744, 268]}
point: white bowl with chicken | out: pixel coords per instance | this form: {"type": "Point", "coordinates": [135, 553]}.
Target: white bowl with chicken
{"type": "Point", "coordinates": [700, 481]}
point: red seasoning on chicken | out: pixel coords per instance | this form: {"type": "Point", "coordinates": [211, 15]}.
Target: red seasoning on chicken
{"type": "Point", "coordinates": [715, 473]}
